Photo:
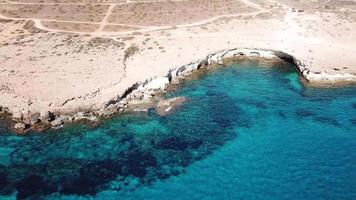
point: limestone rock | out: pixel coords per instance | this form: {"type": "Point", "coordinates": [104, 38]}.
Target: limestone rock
{"type": "Point", "coordinates": [175, 81]}
{"type": "Point", "coordinates": [44, 116]}
{"type": "Point", "coordinates": [159, 83]}
{"type": "Point", "coordinates": [120, 105]}
{"type": "Point", "coordinates": [47, 116]}
{"type": "Point", "coordinates": [20, 126]}
{"type": "Point", "coordinates": [137, 95]}
{"type": "Point", "coordinates": [140, 110]}
{"type": "Point", "coordinates": [124, 101]}
{"type": "Point", "coordinates": [128, 97]}
{"type": "Point", "coordinates": [166, 106]}
{"type": "Point", "coordinates": [35, 118]}
{"type": "Point", "coordinates": [26, 119]}
{"type": "Point", "coordinates": [57, 122]}
{"type": "Point", "coordinates": [110, 110]}
{"type": "Point", "coordinates": [17, 115]}
{"type": "Point", "coordinates": [80, 115]}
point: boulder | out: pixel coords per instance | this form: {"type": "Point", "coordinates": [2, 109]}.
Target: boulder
{"type": "Point", "coordinates": [120, 105]}
{"type": "Point", "coordinates": [138, 95]}
{"type": "Point", "coordinates": [80, 115]}
{"type": "Point", "coordinates": [46, 116]}
{"type": "Point", "coordinates": [124, 101]}
{"type": "Point", "coordinates": [17, 115]}
{"type": "Point", "coordinates": [57, 122]}
{"type": "Point", "coordinates": [35, 118]}
{"type": "Point", "coordinates": [20, 126]}
{"type": "Point", "coordinates": [220, 62]}
{"type": "Point", "coordinates": [110, 110]}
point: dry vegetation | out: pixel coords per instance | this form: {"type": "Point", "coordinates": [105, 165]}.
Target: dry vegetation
{"type": "Point", "coordinates": [173, 12]}
{"type": "Point", "coordinates": [130, 51]}
{"type": "Point", "coordinates": [118, 16]}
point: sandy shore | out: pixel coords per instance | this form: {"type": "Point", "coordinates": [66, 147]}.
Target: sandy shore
{"type": "Point", "coordinates": [53, 67]}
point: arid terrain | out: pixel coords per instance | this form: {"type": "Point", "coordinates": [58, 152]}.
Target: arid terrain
{"type": "Point", "coordinates": [66, 56]}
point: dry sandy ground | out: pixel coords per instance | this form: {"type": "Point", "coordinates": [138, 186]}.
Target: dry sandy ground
{"type": "Point", "coordinates": [69, 55]}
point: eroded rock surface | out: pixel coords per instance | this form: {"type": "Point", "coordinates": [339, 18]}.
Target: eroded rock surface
{"type": "Point", "coordinates": [166, 106]}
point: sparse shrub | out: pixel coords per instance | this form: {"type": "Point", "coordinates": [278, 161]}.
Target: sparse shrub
{"type": "Point", "coordinates": [130, 51]}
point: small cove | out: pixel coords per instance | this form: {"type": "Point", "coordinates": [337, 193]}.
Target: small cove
{"type": "Point", "coordinates": [247, 132]}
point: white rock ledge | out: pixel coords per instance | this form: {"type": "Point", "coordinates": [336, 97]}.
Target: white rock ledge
{"type": "Point", "coordinates": [143, 92]}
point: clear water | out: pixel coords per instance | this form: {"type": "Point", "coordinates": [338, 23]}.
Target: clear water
{"type": "Point", "coordinates": [247, 132]}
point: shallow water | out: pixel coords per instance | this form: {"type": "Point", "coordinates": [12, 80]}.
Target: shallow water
{"type": "Point", "coordinates": [247, 132]}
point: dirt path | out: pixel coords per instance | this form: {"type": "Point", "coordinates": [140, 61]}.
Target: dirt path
{"type": "Point", "coordinates": [104, 22]}
{"type": "Point", "coordinates": [102, 3]}
{"type": "Point", "coordinates": [105, 19]}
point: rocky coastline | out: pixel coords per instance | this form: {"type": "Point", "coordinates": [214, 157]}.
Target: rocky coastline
{"type": "Point", "coordinates": [147, 93]}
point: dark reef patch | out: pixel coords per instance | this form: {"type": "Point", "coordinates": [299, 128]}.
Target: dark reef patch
{"type": "Point", "coordinates": [81, 163]}
{"type": "Point", "coordinates": [138, 164]}
{"type": "Point", "coordinates": [254, 103]}
{"type": "Point", "coordinates": [327, 120]}
{"type": "Point", "coordinates": [178, 144]}
{"type": "Point", "coordinates": [282, 115]}
{"type": "Point", "coordinates": [302, 113]}
{"type": "Point", "coordinates": [3, 180]}
{"type": "Point", "coordinates": [33, 185]}
{"type": "Point", "coordinates": [90, 177]}
{"type": "Point", "coordinates": [354, 106]}
{"type": "Point", "coordinates": [353, 121]}
{"type": "Point", "coordinates": [220, 104]}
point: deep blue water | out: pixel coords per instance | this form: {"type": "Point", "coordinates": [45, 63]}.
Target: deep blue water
{"type": "Point", "coordinates": [247, 132]}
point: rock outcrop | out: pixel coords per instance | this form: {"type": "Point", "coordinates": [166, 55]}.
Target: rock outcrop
{"type": "Point", "coordinates": [166, 106]}
{"type": "Point", "coordinates": [144, 92]}
{"type": "Point", "coordinates": [20, 127]}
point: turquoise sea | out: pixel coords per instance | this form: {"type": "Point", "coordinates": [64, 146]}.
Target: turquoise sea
{"type": "Point", "coordinates": [247, 132]}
